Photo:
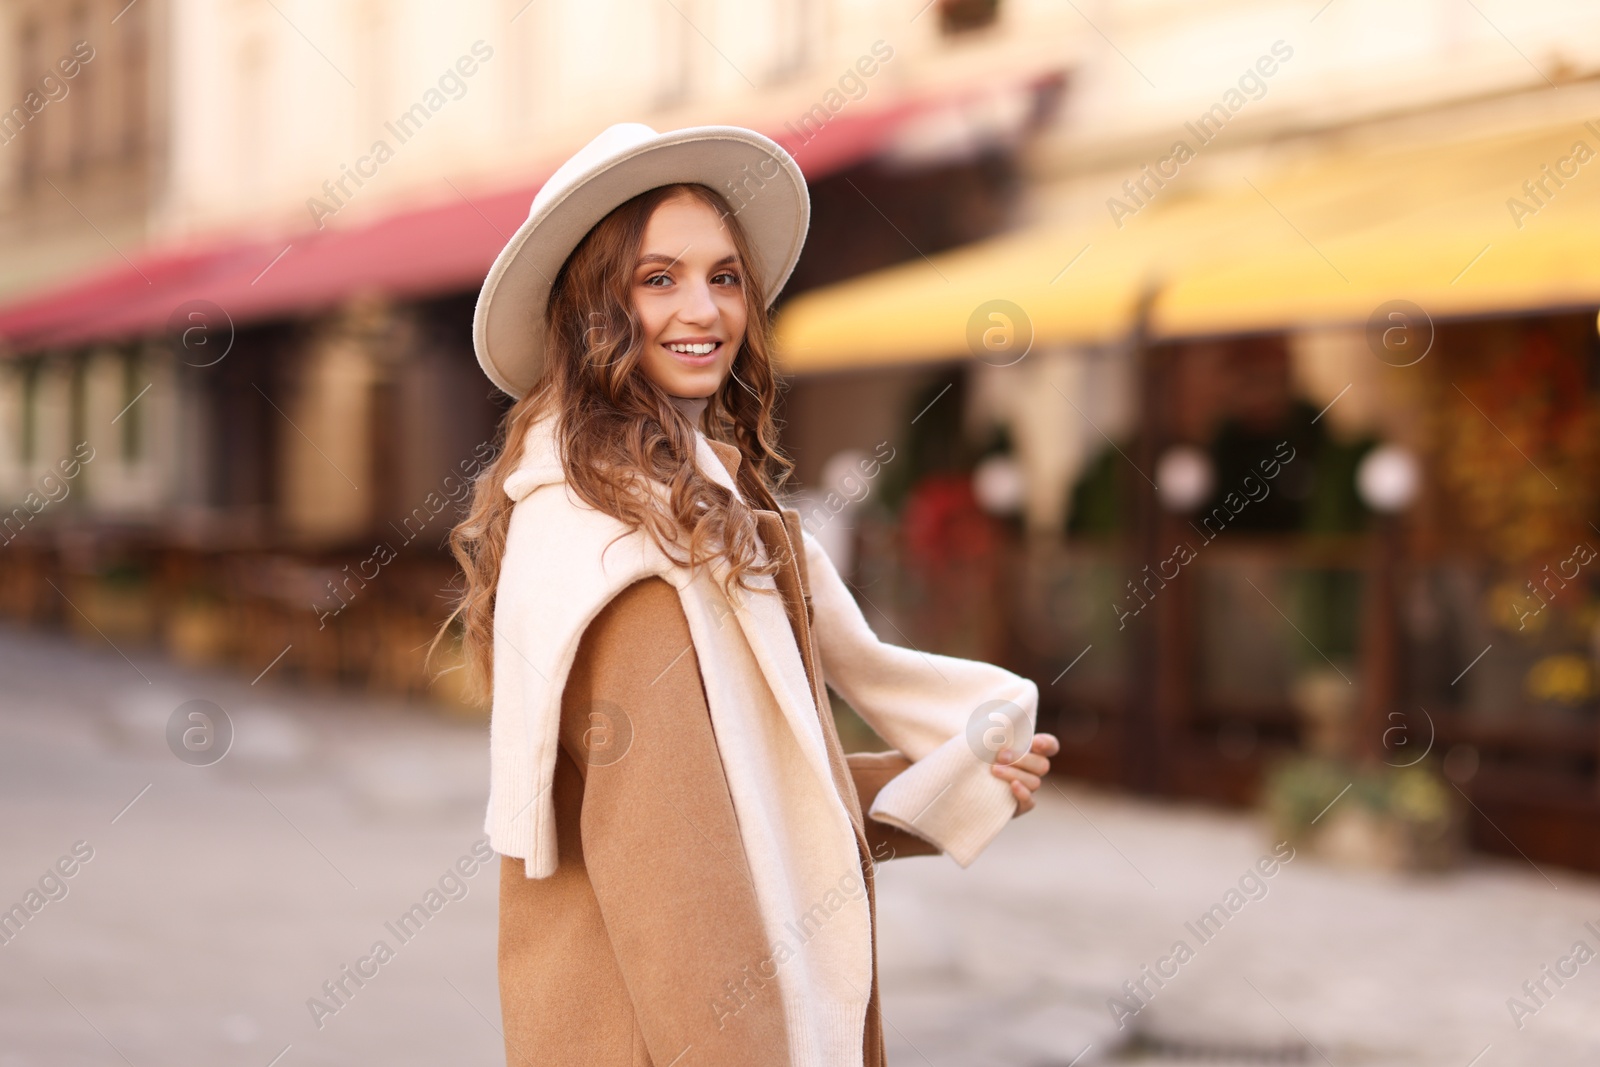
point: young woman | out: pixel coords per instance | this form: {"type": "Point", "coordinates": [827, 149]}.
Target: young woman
{"type": "Point", "coordinates": [687, 873]}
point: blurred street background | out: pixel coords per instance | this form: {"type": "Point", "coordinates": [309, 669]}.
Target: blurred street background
{"type": "Point", "coordinates": [1230, 368]}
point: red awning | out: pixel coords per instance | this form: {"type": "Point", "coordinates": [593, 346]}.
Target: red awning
{"type": "Point", "coordinates": [443, 248]}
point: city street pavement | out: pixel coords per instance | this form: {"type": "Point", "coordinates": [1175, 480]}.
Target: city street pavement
{"type": "Point", "coordinates": [217, 901]}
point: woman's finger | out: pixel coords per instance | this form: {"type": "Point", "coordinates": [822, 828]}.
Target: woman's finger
{"type": "Point", "coordinates": [1031, 781]}
{"type": "Point", "coordinates": [1045, 744]}
{"type": "Point", "coordinates": [1025, 800]}
{"type": "Point", "coordinates": [1033, 763]}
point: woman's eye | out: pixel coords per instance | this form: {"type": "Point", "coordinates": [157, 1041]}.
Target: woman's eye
{"type": "Point", "coordinates": [733, 279]}
{"type": "Point", "coordinates": [657, 277]}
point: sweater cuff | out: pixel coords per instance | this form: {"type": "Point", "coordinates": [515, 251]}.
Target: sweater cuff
{"type": "Point", "coordinates": [948, 797]}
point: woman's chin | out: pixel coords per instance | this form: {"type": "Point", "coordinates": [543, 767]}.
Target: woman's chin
{"type": "Point", "coordinates": [693, 383]}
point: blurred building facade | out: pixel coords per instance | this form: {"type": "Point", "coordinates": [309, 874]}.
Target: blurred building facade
{"type": "Point", "coordinates": [1061, 255]}
{"type": "Point", "coordinates": [262, 343]}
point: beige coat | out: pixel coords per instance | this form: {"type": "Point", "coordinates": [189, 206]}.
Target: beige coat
{"type": "Point", "coordinates": [642, 941]}
{"type": "Point", "coordinates": [641, 949]}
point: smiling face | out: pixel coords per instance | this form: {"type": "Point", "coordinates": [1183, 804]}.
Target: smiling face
{"type": "Point", "coordinates": [688, 290]}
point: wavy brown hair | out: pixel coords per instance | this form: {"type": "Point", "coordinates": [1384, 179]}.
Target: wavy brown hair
{"type": "Point", "coordinates": [615, 426]}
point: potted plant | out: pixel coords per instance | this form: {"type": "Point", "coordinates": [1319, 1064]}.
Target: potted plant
{"type": "Point", "coordinates": [1365, 814]}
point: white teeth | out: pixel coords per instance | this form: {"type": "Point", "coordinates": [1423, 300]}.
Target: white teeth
{"type": "Point", "coordinates": [694, 350]}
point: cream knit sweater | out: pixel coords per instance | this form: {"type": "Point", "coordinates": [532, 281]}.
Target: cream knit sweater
{"type": "Point", "coordinates": [796, 832]}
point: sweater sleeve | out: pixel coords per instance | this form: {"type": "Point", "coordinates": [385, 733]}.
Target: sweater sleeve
{"type": "Point", "coordinates": [660, 841]}
{"type": "Point", "coordinates": [948, 716]}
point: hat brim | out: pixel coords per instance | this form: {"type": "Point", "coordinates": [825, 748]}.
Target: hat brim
{"type": "Point", "coordinates": [762, 183]}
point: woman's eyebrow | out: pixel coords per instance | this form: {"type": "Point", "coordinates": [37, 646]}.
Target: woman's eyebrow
{"type": "Point", "coordinates": [657, 257]}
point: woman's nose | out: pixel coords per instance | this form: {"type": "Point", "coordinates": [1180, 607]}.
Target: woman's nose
{"type": "Point", "coordinates": [698, 307]}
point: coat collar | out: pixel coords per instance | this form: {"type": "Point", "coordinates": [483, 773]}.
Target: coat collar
{"type": "Point", "coordinates": [728, 455]}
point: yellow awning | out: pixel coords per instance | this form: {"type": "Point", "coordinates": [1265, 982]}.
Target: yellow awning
{"type": "Point", "coordinates": [1324, 240]}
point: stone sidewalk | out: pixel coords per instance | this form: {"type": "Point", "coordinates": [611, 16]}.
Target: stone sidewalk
{"type": "Point", "coordinates": [1013, 961]}
{"type": "Point", "coordinates": [219, 899]}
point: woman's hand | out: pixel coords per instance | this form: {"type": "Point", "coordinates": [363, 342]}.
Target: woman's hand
{"type": "Point", "coordinates": [1026, 773]}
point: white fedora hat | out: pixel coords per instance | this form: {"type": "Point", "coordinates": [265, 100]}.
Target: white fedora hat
{"type": "Point", "coordinates": [761, 182]}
